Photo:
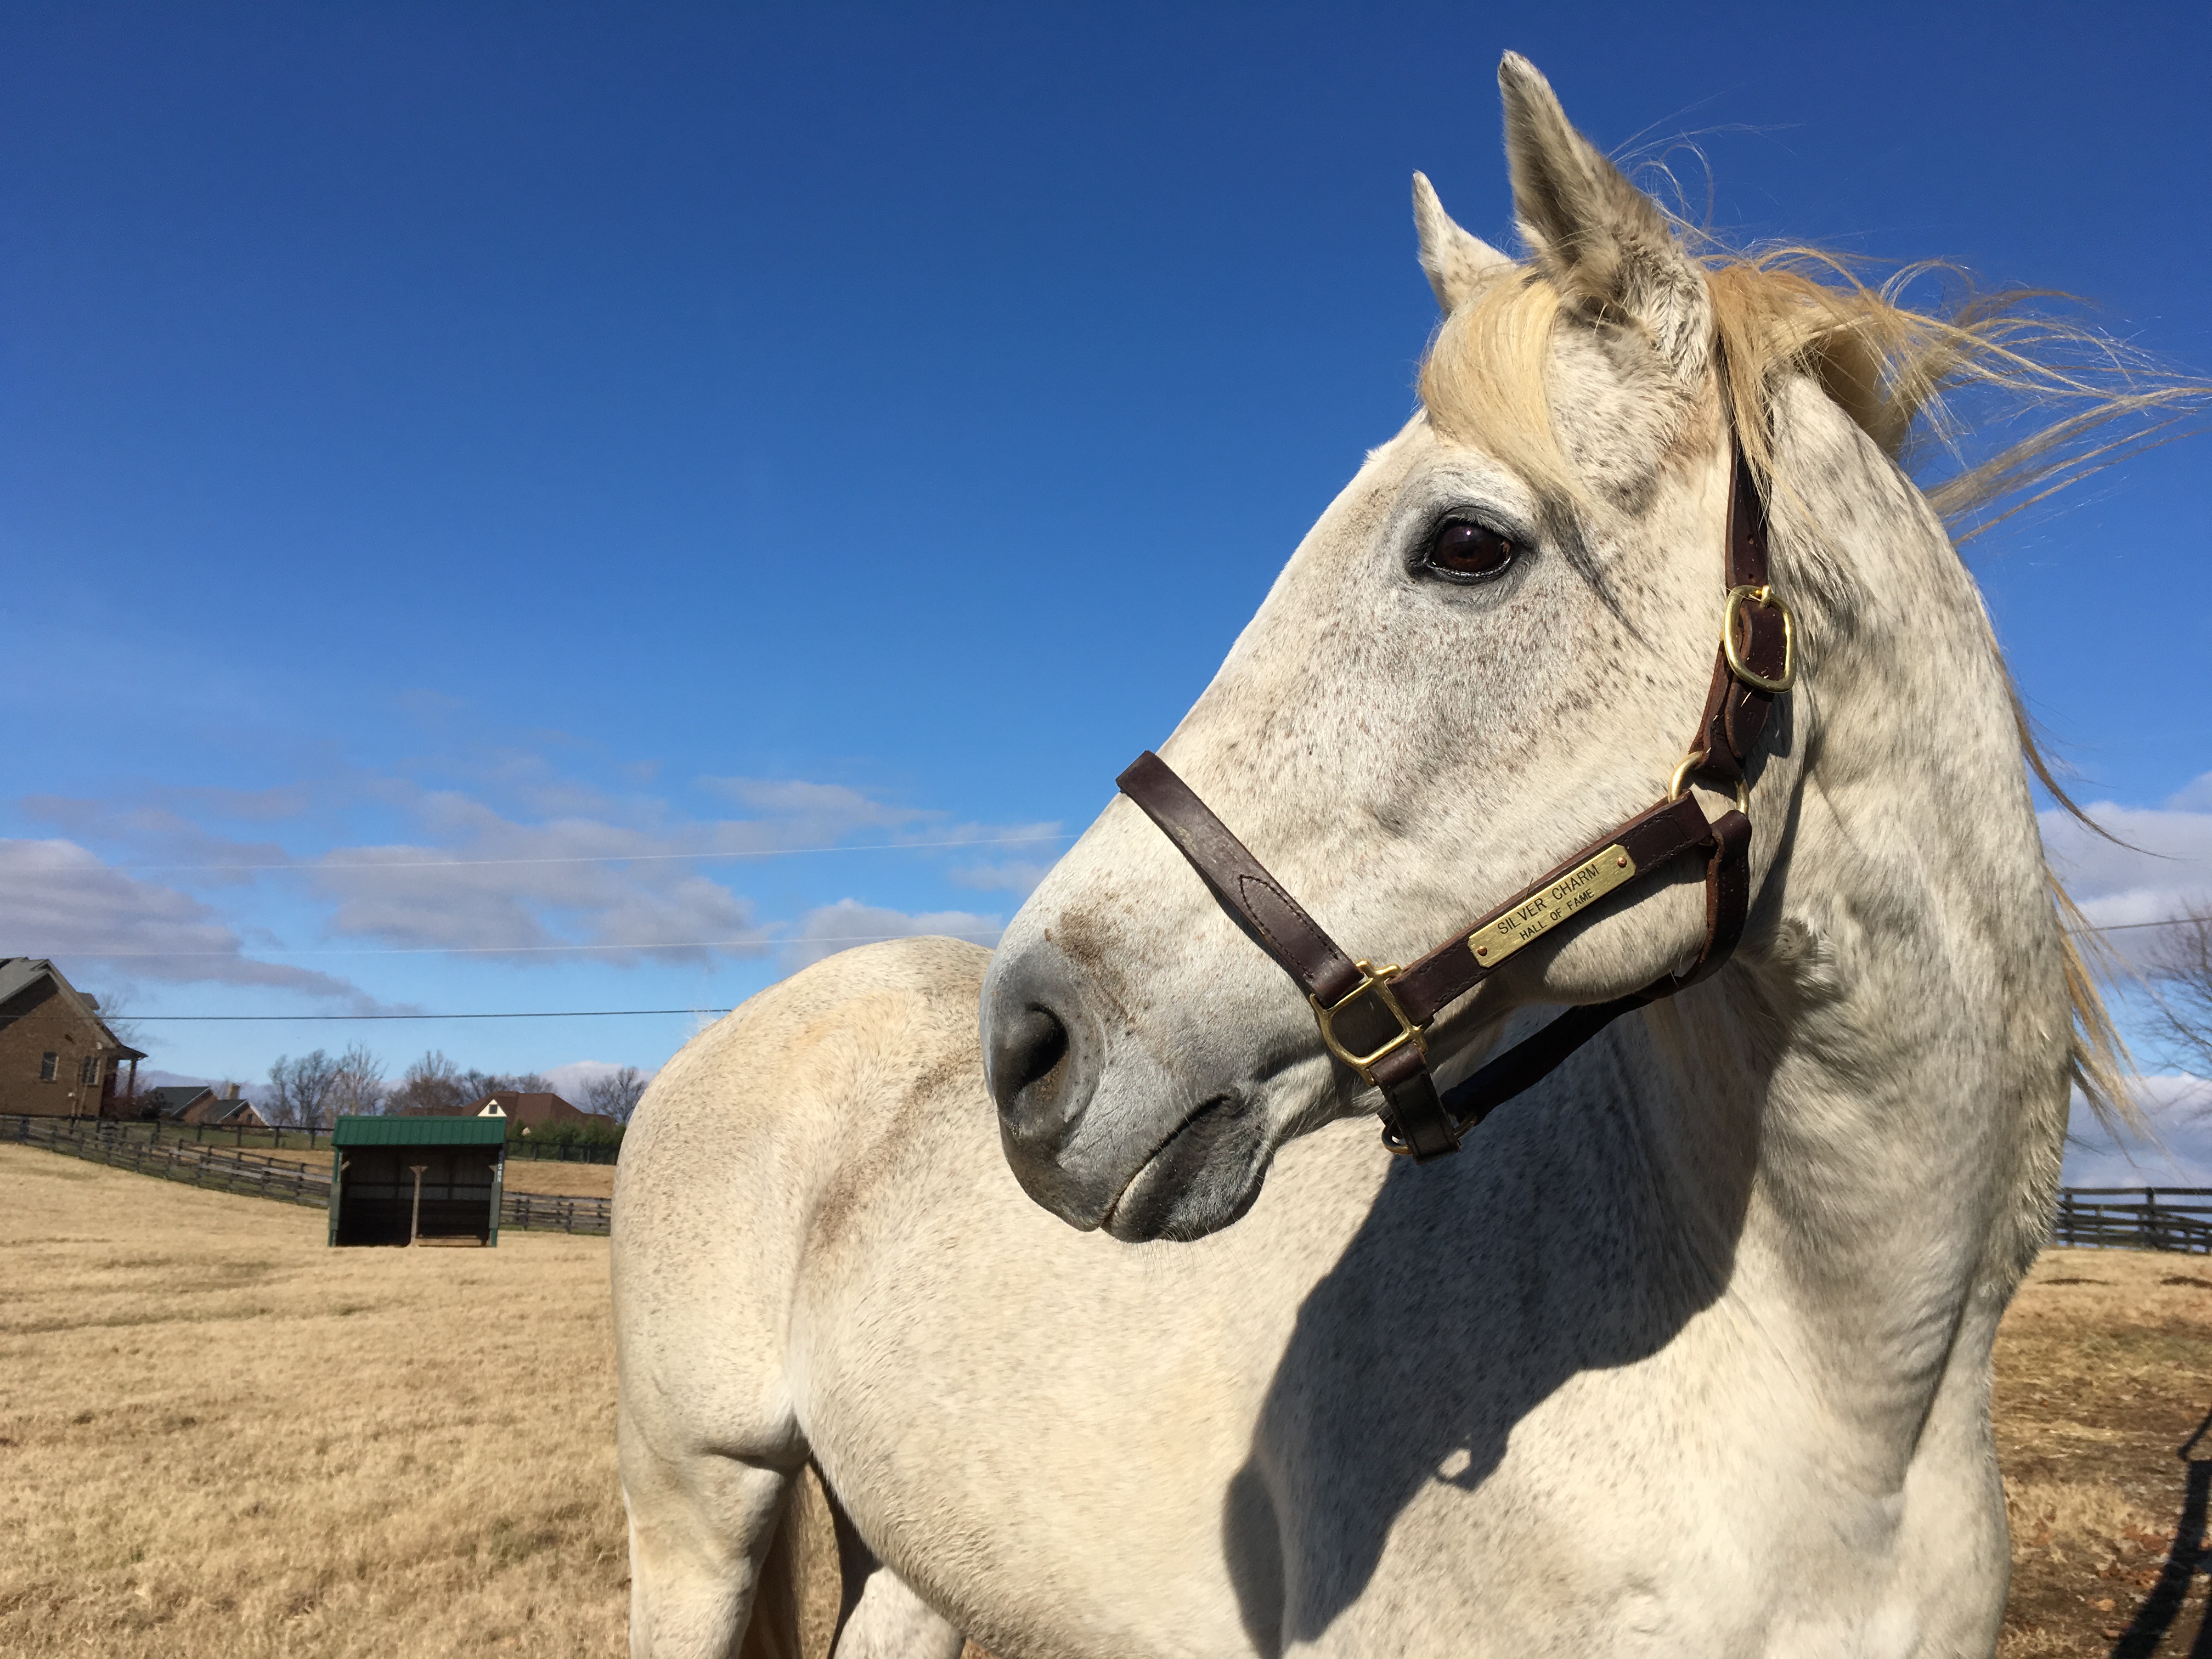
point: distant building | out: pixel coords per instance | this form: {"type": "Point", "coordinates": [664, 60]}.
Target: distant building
{"type": "Point", "coordinates": [57, 1058]}
{"type": "Point", "coordinates": [196, 1102]}
{"type": "Point", "coordinates": [533, 1110]}
{"type": "Point", "coordinates": [415, 1179]}
{"type": "Point", "coordinates": [172, 1102]}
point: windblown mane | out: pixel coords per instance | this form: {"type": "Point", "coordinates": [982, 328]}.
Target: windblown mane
{"type": "Point", "coordinates": [1916, 381]}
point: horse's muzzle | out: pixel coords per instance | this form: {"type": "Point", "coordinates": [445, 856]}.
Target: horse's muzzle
{"type": "Point", "coordinates": [1042, 1062]}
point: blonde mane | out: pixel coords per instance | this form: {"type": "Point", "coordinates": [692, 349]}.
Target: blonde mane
{"type": "Point", "coordinates": [1902, 375]}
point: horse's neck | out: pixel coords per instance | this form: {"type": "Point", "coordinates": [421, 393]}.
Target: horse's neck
{"type": "Point", "coordinates": [1867, 1105]}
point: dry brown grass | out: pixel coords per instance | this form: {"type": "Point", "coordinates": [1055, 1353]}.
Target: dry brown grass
{"type": "Point", "coordinates": [217, 1437]}
{"type": "Point", "coordinates": [2104, 1372]}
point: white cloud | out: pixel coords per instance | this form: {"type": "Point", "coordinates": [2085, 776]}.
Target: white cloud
{"type": "Point", "coordinates": [58, 899]}
{"type": "Point", "coordinates": [498, 852]}
{"type": "Point", "coordinates": [574, 1080]}
{"type": "Point", "coordinates": [840, 926]}
{"type": "Point", "coordinates": [2178, 1154]}
{"type": "Point", "coordinates": [835, 803]}
{"type": "Point", "coordinates": [495, 885]}
{"type": "Point", "coordinates": [2166, 863]}
{"type": "Point", "coordinates": [1019, 877]}
{"type": "Point", "coordinates": [158, 831]}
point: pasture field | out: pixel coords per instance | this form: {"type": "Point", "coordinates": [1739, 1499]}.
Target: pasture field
{"type": "Point", "coordinates": [218, 1438]}
{"type": "Point", "coordinates": [2104, 1377]}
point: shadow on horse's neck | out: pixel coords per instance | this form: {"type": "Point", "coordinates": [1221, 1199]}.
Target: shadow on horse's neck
{"type": "Point", "coordinates": [1578, 1234]}
{"type": "Point", "coordinates": [1563, 1239]}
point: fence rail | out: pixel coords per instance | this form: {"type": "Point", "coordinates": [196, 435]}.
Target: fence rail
{"type": "Point", "coordinates": [2136, 1218]}
{"type": "Point", "coordinates": [240, 1135]}
{"type": "Point", "coordinates": [556, 1212]}
{"type": "Point", "coordinates": [2098, 1217]}
{"type": "Point", "coordinates": [154, 1150]}
{"type": "Point", "coordinates": [173, 1158]}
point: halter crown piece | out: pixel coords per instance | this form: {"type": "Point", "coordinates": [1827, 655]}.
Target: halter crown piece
{"type": "Point", "coordinates": [1375, 1019]}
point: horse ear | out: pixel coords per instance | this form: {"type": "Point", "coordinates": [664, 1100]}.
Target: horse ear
{"type": "Point", "coordinates": [1596, 238]}
{"type": "Point", "coordinates": [1454, 260]}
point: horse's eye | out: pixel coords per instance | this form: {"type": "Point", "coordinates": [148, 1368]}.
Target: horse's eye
{"type": "Point", "coordinates": [1462, 549]}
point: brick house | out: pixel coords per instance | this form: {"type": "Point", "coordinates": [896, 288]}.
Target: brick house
{"type": "Point", "coordinates": [57, 1058]}
{"type": "Point", "coordinates": [195, 1103]}
{"type": "Point", "coordinates": [532, 1110]}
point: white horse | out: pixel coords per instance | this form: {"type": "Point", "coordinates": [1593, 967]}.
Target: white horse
{"type": "Point", "coordinates": [1687, 1352]}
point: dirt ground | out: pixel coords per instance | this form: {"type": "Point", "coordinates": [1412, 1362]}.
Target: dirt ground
{"type": "Point", "coordinates": [218, 1438]}
{"type": "Point", "coordinates": [2104, 1383]}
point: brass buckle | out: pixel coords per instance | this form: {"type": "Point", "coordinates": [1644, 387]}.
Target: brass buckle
{"type": "Point", "coordinates": [1375, 980]}
{"type": "Point", "coordinates": [1737, 666]}
{"type": "Point", "coordinates": [1679, 785]}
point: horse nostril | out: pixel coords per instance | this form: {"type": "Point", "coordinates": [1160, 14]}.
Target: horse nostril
{"type": "Point", "coordinates": [1034, 1047]}
{"type": "Point", "coordinates": [1041, 1061]}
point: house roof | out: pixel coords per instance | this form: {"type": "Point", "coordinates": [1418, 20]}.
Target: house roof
{"type": "Point", "coordinates": [20, 973]}
{"type": "Point", "coordinates": [529, 1107]}
{"type": "Point", "coordinates": [175, 1099]}
{"type": "Point", "coordinates": [418, 1132]}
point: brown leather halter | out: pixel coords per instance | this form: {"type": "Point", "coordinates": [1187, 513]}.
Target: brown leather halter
{"type": "Point", "coordinates": [1374, 1019]}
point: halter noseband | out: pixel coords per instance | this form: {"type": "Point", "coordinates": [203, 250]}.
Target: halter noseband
{"type": "Point", "coordinates": [1374, 1019]}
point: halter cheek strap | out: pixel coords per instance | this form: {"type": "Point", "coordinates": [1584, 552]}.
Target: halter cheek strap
{"type": "Point", "coordinates": [1374, 1019]}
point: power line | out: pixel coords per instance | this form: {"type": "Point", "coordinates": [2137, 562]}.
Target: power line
{"type": "Point", "coordinates": [760, 942]}
{"type": "Point", "coordinates": [756, 942]}
{"type": "Point", "coordinates": [320, 867]}
{"type": "Point", "coordinates": [540, 1013]}
{"type": "Point", "coordinates": [625, 1013]}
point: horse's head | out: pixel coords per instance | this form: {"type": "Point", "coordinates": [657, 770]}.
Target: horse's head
{"type": "Point", "coordinates": [1492, 647]}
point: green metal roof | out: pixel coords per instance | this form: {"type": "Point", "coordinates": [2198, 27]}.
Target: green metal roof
{"type": "Point", "coordinates": [419, 1131]}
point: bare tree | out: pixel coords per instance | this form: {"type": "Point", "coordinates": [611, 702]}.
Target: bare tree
{"type": "Point", "coordinates": [434, 1086]}
{"type": "Point", "coordinates": [616, 1094]}
{"type": "Point", "coordinates": [115, 1014]}
{"type": "Point", "coordinates": [357, 1084]}
{"type": "Point", "coordinates": [478, 1084]}
{"type": "Point", "coordinates": [431, 1085]}
{"type": "Point", "coordinates": [300, 1090]}
{"type": "Point", "coordinates": [2180, 973]}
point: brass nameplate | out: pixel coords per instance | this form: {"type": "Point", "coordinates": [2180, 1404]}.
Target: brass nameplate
{"type": "Point", "coordinates": [1539, 913]}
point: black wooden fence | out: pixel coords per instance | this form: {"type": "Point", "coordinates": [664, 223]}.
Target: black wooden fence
{"type": "Point", "coordinates": [2136, 1218]}
{"type": "Point", "coordinates": [172, 1153]}
{"type": "Point", "coordinates": [173, 1157]}
{"type": "Point", "coordinates": [2121, 1218]}
{"type": "Point", "coordinates": [217, 1134]}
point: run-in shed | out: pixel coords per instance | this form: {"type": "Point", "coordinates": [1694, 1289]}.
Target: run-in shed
{"type": "Point", "coordinates": [395, 1180]}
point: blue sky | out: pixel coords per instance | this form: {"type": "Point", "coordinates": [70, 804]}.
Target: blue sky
{"type": "Point", "coordinates": [461, 432]}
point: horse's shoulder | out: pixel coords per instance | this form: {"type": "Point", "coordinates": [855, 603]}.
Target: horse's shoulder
{"type": "Point", "coordinates": [904, 1003]}
{"type": "Point", "coordinates": [786, 1109]}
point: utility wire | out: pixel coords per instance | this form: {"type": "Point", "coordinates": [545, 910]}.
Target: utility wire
{"type": "Point", "coordinates": [542, 1014]}
{"type": "Point", "coordinates": [319, 868]}
{"type": "Point", "coordinates": [625, 1013]}
{"type": "Point", "coordinates": [759, 942]}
